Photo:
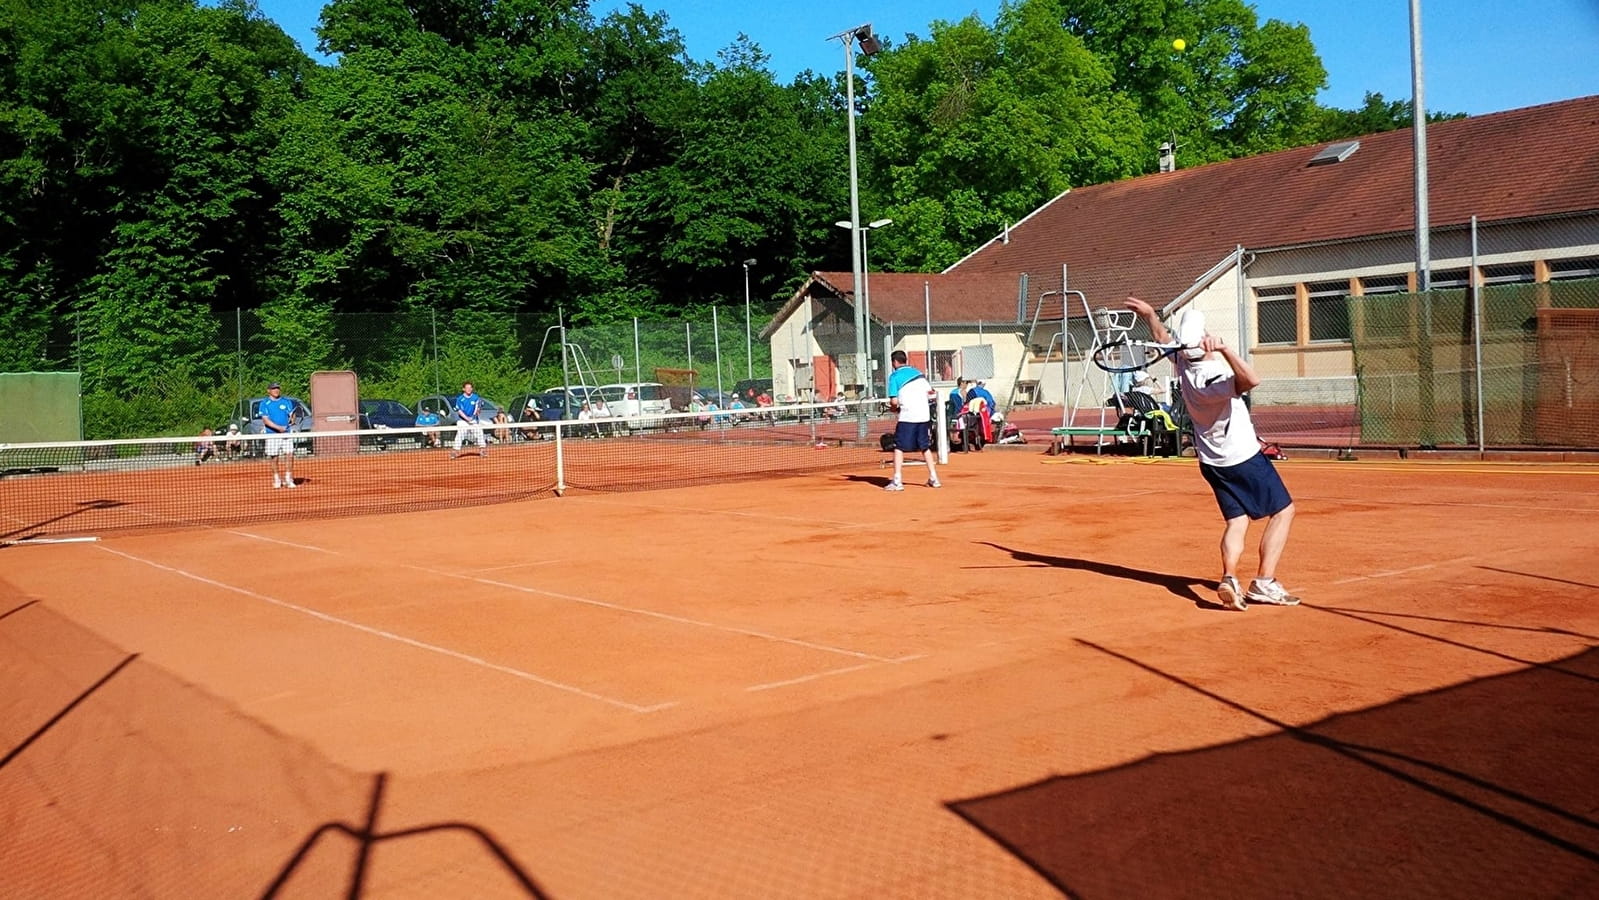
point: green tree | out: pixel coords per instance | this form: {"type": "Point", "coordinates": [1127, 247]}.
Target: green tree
{"type": "Point", "coordinates": [977, 126]}
{"type": "Point", "coordinates": [1375, 115]}
{"type": "Point", "coordinates": [1239, 86]}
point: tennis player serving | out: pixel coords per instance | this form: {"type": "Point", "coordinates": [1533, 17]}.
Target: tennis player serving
{"type": "Point", "coordinates": [1213, 380]}
{"type": "Point", "coordinates": [468, 409]}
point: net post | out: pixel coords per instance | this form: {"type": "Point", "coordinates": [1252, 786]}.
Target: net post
{"type": "Point", "coordinates": [941, 423]}
{"type": "Point", "coordinates": [560, 459]}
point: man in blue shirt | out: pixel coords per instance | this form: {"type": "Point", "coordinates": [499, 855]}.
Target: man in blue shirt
{"type": "Point", "coordinates": [428, 419]}
{"type": "Point", "coordinates": [468, 406]}
{"type": "Point", "coordinates": [277, 418]}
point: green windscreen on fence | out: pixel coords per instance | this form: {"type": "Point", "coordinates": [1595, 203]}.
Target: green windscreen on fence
{"type": "Point", "coordinates": [1425, 366]}
{"type": "Point", "coordinates": [40, 406]}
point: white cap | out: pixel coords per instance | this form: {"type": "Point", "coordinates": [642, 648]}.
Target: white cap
{"type": "Point", "coordinates": [1190, 331]}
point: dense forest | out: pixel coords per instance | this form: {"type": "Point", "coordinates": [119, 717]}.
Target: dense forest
{"type": "Point", "coordinates": [167, 166]}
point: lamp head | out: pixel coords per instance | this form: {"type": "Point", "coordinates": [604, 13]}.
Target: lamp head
{"type": "Point", "coordinates": [748, 263]}
{"type": "Point", "coordinates": [868, 41]}
{"type": "Point", "coordinates": [879, 223]}
{"type": "Point", "coordinates": [845, 224]}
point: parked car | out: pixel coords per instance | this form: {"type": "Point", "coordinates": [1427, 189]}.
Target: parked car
{"type": "Point", "coordinates": [445, 407]}
{"type": "Point", "coordinates": [384, 414]}
{"type": "Point", "coordinates": [247, 415]}
{"type": "Point", "coordinates": [551, 407]}
{"type": "Point", "coordinates": [640, 403]}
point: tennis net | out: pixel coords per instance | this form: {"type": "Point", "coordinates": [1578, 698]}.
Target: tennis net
{"type": "Point", "coordinates": [52, 490]}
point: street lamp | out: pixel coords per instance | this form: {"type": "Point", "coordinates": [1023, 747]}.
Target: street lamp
{"type": "Point", "coordinates": [869, 45]}
{"type": "Point", "coordinates": [749, 354]}
{"type": "Point", "coordinates": [866, 283]}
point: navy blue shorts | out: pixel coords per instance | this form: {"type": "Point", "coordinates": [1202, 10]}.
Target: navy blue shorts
{"type": "Point", "coordinates": [1252, 488]}
{"type": "Point", "coordinates": [913, 437]}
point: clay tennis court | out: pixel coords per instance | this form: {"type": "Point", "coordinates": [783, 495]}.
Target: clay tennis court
{"type": "Point", "coordinates": [1016, 686]}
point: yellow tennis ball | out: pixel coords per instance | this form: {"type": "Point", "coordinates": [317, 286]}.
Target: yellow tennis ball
{"type": "Point", "coordinates": [1179, 44]}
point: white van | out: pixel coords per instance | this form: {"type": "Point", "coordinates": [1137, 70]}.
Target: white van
{"type": "Point", "coordinates": [640, 403]}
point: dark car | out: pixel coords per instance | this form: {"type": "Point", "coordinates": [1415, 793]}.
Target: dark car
{"type": "Point", "coordinates": [385, 414]}
{"type": "Point", "coordinates": [748, 389]}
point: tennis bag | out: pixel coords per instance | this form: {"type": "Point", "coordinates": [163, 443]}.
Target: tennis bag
{"type": "Point", "coordinates": [888, 441]}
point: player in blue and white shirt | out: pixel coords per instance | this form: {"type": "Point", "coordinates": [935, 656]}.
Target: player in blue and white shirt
{"type": "Point", "coordinates": [912, 394]}
{"type": "Point", "coordinates": [468, 408]}
{"type": "Point", "coordinates": [277, 418]}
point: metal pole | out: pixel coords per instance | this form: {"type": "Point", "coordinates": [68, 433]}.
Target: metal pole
{"type": "Point", "coordinates": [638, 365]}
{"type": "Point", "coordinates": [855, 224]}
{"type": "Point", "coordinates": [716, 343]}
{"type": "Point", "coordinates": [1418, 110]}
{"type": "Point", "coordinates": [749, 344]}
{"type": "Point", "coordinates": [438, 385]}
{"type": "Point", "coordinates": [1476, 337]}
{"type": "Point", "coordinates": [927, 311]}
{"type": "Point", "coordinates": [866, 311]}
{"type": "Point", "coordinates": [688, 340]}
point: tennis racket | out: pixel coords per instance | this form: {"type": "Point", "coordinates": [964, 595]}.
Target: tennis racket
{"type": "Point", "coordinates": [1127, 355]}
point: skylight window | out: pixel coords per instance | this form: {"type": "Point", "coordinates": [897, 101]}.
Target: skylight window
{"type": "Point", "coordinates": [1335, 153]}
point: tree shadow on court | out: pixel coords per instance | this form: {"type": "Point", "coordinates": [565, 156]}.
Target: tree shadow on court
{"type": "Point", "coordinates": [366, 837]}
{"type": "Point", "coordinates": [1179, 585]}
{"type": "Point", "coordinates": [37, 529]}
{"type": "Point", "coordinates": [1482, 789]}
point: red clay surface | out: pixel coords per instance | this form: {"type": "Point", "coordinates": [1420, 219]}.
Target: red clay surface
{"type": "Point", "coordinates": [1015, 686]}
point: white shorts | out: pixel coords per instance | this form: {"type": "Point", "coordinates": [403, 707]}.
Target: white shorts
{"type": "Point", "coordinates": [280, 446]}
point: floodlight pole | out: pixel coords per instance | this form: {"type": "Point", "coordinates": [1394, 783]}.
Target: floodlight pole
{"type": "Point", "coordinates": [848, 39]}
{"type": "Point", "coordinates": [749, 345]}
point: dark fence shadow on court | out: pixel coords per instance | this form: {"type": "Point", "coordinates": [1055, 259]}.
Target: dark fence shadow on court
{"type": "Point", "coordinates": [88, 692]}
{"type": "Point", "coordinates": [1179, 585]}
{"type": "Point", "coordinates": [1372, 617]}
{"type": "Point", "coordinates": [1483, 789]}
{"type": "Point", "coordinates": [1580, 584]}
{"type": "Point", "coordinates": [366, 837]}
{"type": "Point", "coordinates": [37, 528]}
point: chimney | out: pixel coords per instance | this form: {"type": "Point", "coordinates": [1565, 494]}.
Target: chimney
{"type": "Point", "coordinates": [1168, 157]}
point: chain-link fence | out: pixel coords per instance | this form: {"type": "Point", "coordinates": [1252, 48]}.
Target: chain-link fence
{"type": "Point", "coordinates": [205, 375]}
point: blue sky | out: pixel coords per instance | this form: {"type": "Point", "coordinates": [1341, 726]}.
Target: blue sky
{"type": "Point", "coordinates": [1479, 56]}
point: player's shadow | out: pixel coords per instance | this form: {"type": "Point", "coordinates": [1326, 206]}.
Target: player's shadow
{"type": "Point", "coordinates": [1179, 585]}
{"type": "Point", "coordinates": [875, 480]}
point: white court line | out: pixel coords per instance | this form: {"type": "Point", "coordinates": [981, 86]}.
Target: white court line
{"type": "Point", "coordinates": [61, 540]}
{"type": "Point", "coordinates": [535, 562]}
{"type": "Point", "coordinates": [804, 678]}
{"type": "Point", "coordinates": [683, 620]}
{"type": "Point", "coordinates": [808, 520]}
{"type": "Point", "coordinates": [389, 635]}
{"type": "Point", "coordinates": [1422, 568]}
{"type": "Point", "coordinates": [262, 537]}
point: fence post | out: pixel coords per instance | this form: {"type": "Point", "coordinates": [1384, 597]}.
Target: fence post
{"type": "Point", "coordinates": [1475, 286]}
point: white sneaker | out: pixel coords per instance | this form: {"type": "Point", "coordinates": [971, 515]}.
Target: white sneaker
{"type": "Point", "coordinates": [1270, 592]}
{"type": "Point", "coordinates": [289, 482]}
{"type": "Point", "coordinates": [934, 483]}
{"type": "Point", "coordinates": [276, 484]}
{"type": "Point", "coordinates": [1230, 594]}
{"type": "Point", "coordinates": [893, 486]}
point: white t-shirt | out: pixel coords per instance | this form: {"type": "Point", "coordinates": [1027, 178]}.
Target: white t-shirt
{"type": "Point", "coordinates": [1224, 435]}
{"type": "Point", "coordinates": [915, 400]}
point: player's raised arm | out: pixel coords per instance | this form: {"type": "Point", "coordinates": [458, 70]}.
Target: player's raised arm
{"type": "Point", "coordinates": [1146, 312]}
